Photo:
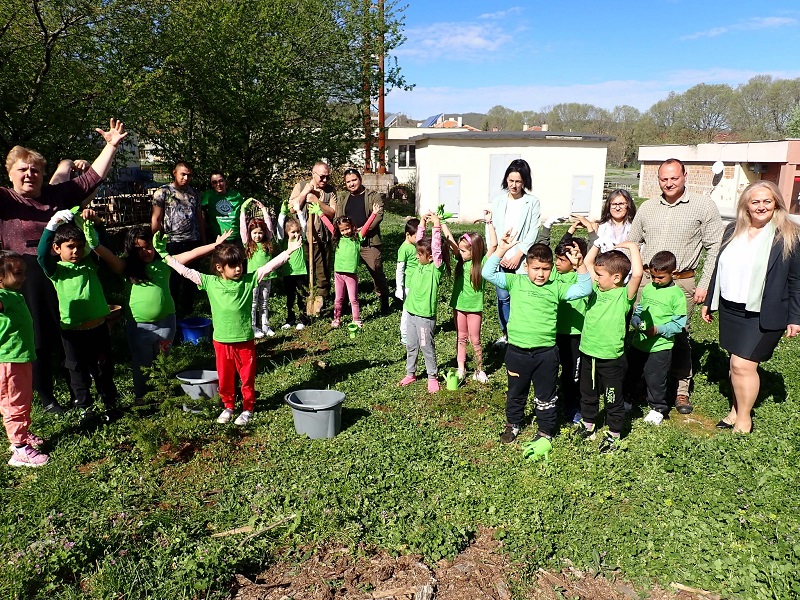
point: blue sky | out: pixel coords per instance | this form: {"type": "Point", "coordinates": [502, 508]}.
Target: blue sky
{"type": "Point", "coordinates": [468, 56]}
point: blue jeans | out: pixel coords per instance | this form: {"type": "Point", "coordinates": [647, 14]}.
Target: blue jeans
{"type": "Point", "coordinates": [146, 341]}
{"type": "Point", "coordinates": [503, 308]}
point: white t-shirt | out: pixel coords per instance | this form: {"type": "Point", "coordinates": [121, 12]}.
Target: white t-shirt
{"type": "Point", "coordinates": [617, 233]}
{"type": "Point", "coordinates": [735, 271]}
{"type": "Point", "coordinates": [512, 219]}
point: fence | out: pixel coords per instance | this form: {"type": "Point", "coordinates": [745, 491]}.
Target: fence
{"type": "Point", "coordinates": [123, 210]}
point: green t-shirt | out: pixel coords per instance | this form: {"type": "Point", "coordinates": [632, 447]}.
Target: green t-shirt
{"type": "Point", "coordinates": [231, 306]}
{"type": "Point", "coordinates": [534, 309]}
{"type": "Point", "coordinates": [296, 265]}
{"type": "Point", "coordinates": [259, 259]}
{"type": "Point", "coordinates": [465, 297]}
{"type": "Point", "coordinates": [605, 325]}
{"type": "Point", "coordinates": [659, 306]}
{"type": "Point", "coordinates": [224, 211]}
{"type": "Point", "coordinates": [570, 312]}
{"type": "Point", "coordinates": [80, 294]}
{"type": "Point", "coordinates": [407, 253]}
{"type": "Point", "coordinates": [422, 282]}
{"type": "Point", "coordinates": [150, 301]}
{"type": "Point", "coordinates": [348, 251]}
{"type": "Point", "coordinates": [17, 343]}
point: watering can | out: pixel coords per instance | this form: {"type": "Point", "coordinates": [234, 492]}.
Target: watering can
{"type": "Point", "coordinates": [452, 379]}
{"type": "Point", "coordinates": [352, 328]}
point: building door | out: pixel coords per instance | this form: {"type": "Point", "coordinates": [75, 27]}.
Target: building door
{"type": "Point", "coordinates": [498, 163]}
{"type": "Point", "coordinates": [450, 193]}
{"type": "Point", "coordinates": [581, 194]}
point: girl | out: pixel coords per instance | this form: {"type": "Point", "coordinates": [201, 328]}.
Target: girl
{"type": "Point", "coordinates": [17, 352]}
{"type": "Point", "coordinates": [467, 298]}
{"type": "Point", "coordinates": [230, 293]}
{"type": "Point", "coordinates": [256, 236]}
{"type": "Point", "coordinates": [347, 241]}
{"type": "Point", "coordinates": [295, 272]}
{"type": "Point", "coordinates": [149, 307]}
{"type": "Point", "coordinates": [421, 301]}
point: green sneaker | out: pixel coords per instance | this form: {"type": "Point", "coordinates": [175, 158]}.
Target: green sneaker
{"type": "Point", "coordinates": [609, 443]}
{"type": "Point", "coordinates": [540, 447]}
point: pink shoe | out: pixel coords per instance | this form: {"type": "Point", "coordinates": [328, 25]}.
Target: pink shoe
{"type": "Point", "coordinates": [34, 440]}
{"type": "Point", "coordinates": [433, 386]}
{"type": "Point", "coordinates": [27, 457]}
{"type": "Point", "coordinates": [359, 323]}
{"type": "Point", "coordinates": [335, 323]}
{"type": "Point", "coordinates": [407, 380]}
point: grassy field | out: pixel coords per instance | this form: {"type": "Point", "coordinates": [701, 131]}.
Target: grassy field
{"type": "Point", "coordinates": [129, 510]}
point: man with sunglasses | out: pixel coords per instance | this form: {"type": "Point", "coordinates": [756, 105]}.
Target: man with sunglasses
{"type": "Point", "coordinates": [221, 207]}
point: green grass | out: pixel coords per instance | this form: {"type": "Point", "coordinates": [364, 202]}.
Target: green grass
{"type": "Point", "coordinates": [129, 510]}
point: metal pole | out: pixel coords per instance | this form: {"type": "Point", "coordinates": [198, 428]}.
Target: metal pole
{"type": "Point", "coordinates": [381, 94]}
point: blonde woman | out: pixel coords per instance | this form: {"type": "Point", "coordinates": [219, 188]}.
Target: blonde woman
{"type": "Point", "coordinates": [756, 288]}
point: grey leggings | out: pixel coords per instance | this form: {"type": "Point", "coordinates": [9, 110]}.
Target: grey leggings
{"type": "Point", "coordinates": [420, 336]}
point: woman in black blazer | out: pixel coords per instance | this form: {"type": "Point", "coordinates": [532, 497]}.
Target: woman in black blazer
{"type": "Point", "coordinates": [756, 288]}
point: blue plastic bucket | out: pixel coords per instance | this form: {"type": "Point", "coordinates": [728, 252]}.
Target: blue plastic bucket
{"type": "Point", "coordinates": [195, 329]}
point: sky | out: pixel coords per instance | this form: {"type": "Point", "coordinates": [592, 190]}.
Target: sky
{"type": "Point", "coordinates": [469, 55]}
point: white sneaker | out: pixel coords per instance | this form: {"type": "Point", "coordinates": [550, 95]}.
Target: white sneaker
{"type": "Point", "coordinates": [257, 333]}
{"type": "Point", "coordinates": [286, 326]}
{"type": "Point", "coordinates": [224, 416]}
{"type": "Point", "coordinates": [501, 341]}
{"type": "Point", "coordinates": [243, 418]}
{"type": "Point", "coordinates": [27, 456]}
{"type": "Point", "coordinates": [480, 377]}
{"type": "Point", "coordinates": [299, 327]}
{"type": "Point", "coordinates": [654, 417]}
{"type": "Point", "coordinates": [268, 332]}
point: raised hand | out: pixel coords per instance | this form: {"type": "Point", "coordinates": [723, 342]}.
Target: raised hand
{"type": "Point", "coordinates": [115, 134]}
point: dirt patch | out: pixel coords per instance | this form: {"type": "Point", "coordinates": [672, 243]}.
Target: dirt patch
{"type": "Point", "coordinates": [482, 571]}
{"type": "Point", "coordinates": [695, 423]}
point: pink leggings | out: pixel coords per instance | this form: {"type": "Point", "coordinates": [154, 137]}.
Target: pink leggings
{"type": "Point", "coordinates": [350, 281]}
{"type": "Point", "coordinates": [468, 324]}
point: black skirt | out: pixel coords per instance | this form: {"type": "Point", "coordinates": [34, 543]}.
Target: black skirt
{"type": "Point", "coordinates": [740, 332]}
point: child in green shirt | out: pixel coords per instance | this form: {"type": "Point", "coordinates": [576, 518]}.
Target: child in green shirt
{"type": "Point", "coordinates": [531, 353]}
{"type": "Point", "coordinates": [295, 272]}
{"type": "Point", "coordinates": [256, 234]}
{"type": "Point", "coordinates": [659, 316]}
{"type": "Point", "coordinates": [602, 347]}
{"type": "Point", "coordinates": [230, 293]}
{"type": "Point", "coordinates": [406, 260]}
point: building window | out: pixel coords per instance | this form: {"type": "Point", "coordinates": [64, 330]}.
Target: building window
{"type": "Point", "coordinates": [407, 156]}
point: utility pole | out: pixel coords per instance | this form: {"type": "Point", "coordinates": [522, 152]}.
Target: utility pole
{"type": "Point", "coordinates": [381, 94]}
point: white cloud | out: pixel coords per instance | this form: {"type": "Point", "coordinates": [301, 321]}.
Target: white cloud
{"type": "Point", "coordinates": [748, 25]}
{"type": "Point", "coordinates": [501, 14]}
{"type": "Point", "coordinates": [455, 40]}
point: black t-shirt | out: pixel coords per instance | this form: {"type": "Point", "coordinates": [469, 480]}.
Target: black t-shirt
{"type": "Point", "coordinates": [355, 210]}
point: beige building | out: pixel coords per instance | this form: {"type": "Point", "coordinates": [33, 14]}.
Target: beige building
{"type": "Point", "coordinates": [737, 164]}
{"type": "Point", "coordinates": [464, 170]}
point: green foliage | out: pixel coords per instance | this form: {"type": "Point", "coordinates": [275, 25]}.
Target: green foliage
{"type": "Point", "coordinates": [793, 126]}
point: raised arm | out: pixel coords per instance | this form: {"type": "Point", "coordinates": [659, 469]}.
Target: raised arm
{"type": "Point", "coordinates": [113, 138]}
{"type": "Point", "coordinates": [436, 241]}
{"type": "Point", "coordinates": [201, 251]}
{"type": "Point", "coordinates": [451, 241]}
{"type": "Point", "coordinates": [279, 260]}
{"type": "Point", "coordinates": [44, 258]}
{"type": "Point", "coordinates": [588, 260]}
{"type": "Point", "coordinates": [371, 221]}
{"type": "Point", "coordinates": [637, 269]}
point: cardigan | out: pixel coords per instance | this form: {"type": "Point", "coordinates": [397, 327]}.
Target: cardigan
{"type": "Point", "coordinates": [371, 198]}
{"type": "Point", "coordinates": [527, 230]}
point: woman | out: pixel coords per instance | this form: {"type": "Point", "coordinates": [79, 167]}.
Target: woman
{"type": "Point", "coordinates": [518, 210]}
{"type": "Point", "coordinates": [358, 204]}
{"type": "Point", "coordinates": [756, 287]}
{"type": "Point", "coordinates": [616, 217]}
{"type": "Point", "coordinates": [24, 211]}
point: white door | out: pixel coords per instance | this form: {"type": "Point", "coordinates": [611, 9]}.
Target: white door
{"type": "Point", "coordinates": [581, 194]}
{"type": "Point", "coordinates": [449, 193]}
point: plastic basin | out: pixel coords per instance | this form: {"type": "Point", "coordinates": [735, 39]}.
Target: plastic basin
{"type": "Point", "coordinates": [199, 384]}
{"type": "Point", "coordinates": [195, 329]}
{"type": "Point", "coordinates": [317, 413]}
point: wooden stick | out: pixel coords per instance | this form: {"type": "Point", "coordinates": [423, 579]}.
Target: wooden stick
{"type": "Point", "coordinates": [686, 588]}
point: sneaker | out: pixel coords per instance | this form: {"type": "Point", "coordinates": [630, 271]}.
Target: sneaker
{"type": "Point", "coordinates": [480, 377]}
{"type": "Point", "coordinates": [501, 341]}
{"type": "Point", "coordinates": [538, 448]}
{"type": "Point", "coordinates": [287, 325]}
{"type": "Point", "coordinates": [461, 373]}
{"type": "Point", "coordinates": [359, 323]}
{"type": "Point", "coordinates": [403, 341]}
{"type": "Point", "coordinates": [268, 332]}
{"type": "Point", "coordinates": [576, 418]}
{"type": "Point", "coordinates": [224, 416]}
{"type": "Point", "coordinates": [34, 440]}
{"type": "Point", "coordinates": [27, 456]}
{"type": "Point", "coordinates": [54, 408]}
{"type": "Point", "coordinates": [682, 404]}
{"type": "Point", "coordinates": [300, 327]}
{"type": "Point", "coordinates": [335, 323]}
{"type": "Point", "coordinates": [244, 418]}
{"type": "Point", "coordinates": [509, 434]}
{"type": "Point", "coordinates": [257, 333]}
{"type": "Point", "coordinates": [609, 443]}
{"type": "Point", "coordinates": [111, 415]}
{"type": "Point", "coordinates": [627, 406]}
{"type": "Point", "coordinates": [433, 386]}
{"type": "Point", "coordinates": [583, 431]}
{"type": "Point", "coordinates": [654, 417]}
{"type": "Point", "coordinates": [407, 380]}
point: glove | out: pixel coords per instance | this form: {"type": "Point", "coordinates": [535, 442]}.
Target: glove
{"type": "Point", "coordinates": [284, 209]}
{"type": "Point", "coordinates": [636, 321]}
{"type": "Point", "coordinates": [160, 243]}
{"type": "Point", "coordinates": [314, 208]}
{"type": "Point", "coordinates": [441, 214]}
{"type": "Point", "coordinates": [605, 244]}
{"type": "Point", "coordinates": [61, 217]}
{"type": "Point", "coordinates": [553, 220]}
{"type": "Point", "coordinates": [92, 239]}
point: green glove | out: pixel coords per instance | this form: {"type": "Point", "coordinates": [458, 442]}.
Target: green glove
{"type": "Point", "coordinates": [314, 208]}
{"type": "Point", "coordinates": [160, 243]}
{"type": "Point", "coordinates": [92, 239]}
{"type": "Point", "coordinates": [285, 209]}
{"type": "Point", "coordinates": [78, 219]}
{"type": "Point", "coordinates": [247, 203]}
{"type": "Point", "coordinates": [441, 214]}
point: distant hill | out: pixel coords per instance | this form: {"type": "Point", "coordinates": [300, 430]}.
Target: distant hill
{"type": "Point", "coordinates": [474, 119]}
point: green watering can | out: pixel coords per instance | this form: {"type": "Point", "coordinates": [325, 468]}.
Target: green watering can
{"type": "Point", "coordinates": [352, 329]}
{"type": "Point", "coordinates": [452, 379]}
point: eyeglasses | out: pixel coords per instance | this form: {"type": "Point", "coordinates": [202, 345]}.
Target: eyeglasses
{"type": "Point", "coordinates": [322, 176]}
{"type": "Point", "coordinates": [615, 205]}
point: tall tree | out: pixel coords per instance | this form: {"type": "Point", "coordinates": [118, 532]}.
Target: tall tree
{"type": "Point", "coordinates": [705, 110]}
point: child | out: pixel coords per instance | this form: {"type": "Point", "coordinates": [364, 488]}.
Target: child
{"type": "Point", "coordinates": [256, 236]}
{"type": "Point", "coordinates": [17, 351]}
{"type": "Point", "coordinates": [531, 353]}
{"type": "Point", "coordinates": [347, 242]}
{"type": "Point", "coordinates": [406, 261]}
{"type": "Point", "coordinates": [295, 271]}
{"type": "Point", "coordinates": [467, 298]}
{"type": "Point", "coordinates": [660, 315]}
{"type": "Point", "coordinates": [569, 324]}
{"type": "Point", "coordinates": [230, 293]}
{"type": "Point", "coordinates": [602, 345]}
{"type": "Point", "coordinates": [82, 307]}
{"type": "Point", "coordinates": [422, 297]}
{"type": "Point", "coordinates": [149, 309]}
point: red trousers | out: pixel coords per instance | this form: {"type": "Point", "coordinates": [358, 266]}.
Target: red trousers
{"type": "Point", "coordinates": [232, 358]}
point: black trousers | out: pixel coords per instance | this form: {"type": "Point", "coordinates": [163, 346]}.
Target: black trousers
{"type": "Point", "coordinates": [653, 368]}
{"type": "Point", "coordinates": [371, 255]}
{"type": "Point", "coordinates": [540, 367]}
{"type": "Point", "coordinates": [183, 291]}
{"type": "Point", "coordinates": [88, 355]}
{"type": "Point", "coordinates": [607, 377]}
{"type": "Point", "coordinates": [570, 357]}
{"type": "Point", "coordinates": [296, 287]}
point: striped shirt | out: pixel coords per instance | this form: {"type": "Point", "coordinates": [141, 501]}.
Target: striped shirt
{"type": "Point", "coordinates": [685, 228]}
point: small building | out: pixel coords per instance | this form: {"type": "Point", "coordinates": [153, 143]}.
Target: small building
{"type": "Point", "coordinates": [464, 170]}
{"type": "Point", "coordinates": [740, 163]}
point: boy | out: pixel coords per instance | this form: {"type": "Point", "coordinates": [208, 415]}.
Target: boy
{"type": "Point", "coordinates": [406, 260]}
{"type": "Point", "coordinates": [83, 310]}
{"type": "Point", "coordinates": [602, 345]}
{"type": "Point", "coordinates": [531, 353]}
{"type": "Point", "coordinates": [660, 315]}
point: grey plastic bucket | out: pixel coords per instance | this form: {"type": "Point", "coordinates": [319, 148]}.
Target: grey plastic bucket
{"type": "Point", "coordinates": [317, 413]}
{"type": "Point", "coordinates": [199, 384]}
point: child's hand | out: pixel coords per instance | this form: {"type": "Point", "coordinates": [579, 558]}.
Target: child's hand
{"type": "Point", "coordinates": [293, 245]}
{"type": "Point", "coordinates": [574, 255]}
{"type": "Point", "coordinates": [628, 245]}
{"type": "Point", "coordinates": [61, 217]}
{"type": "Point", "coordinates": [636, 321]}
{"type": "Point", "coordinates": [223, 236]}
{"type": "Point", "coordinates": [92, 239]}
{"type": "Point", "coordinates": [651, 331]}
{"type": "Point", "coordinates": [435, 219]}
{"type": "Point", "coordinates": [284, 209]}
{"type": "Point", "coordinates": [160, 243]}
{"type": "Point", "coordinates": [81, 165]}
{"type": "Point", "coordinates": [487, 215]}
{"type": "Point", "coordinates": [89, 215]}
{"type": "Point", "coordinates": [508, 241]}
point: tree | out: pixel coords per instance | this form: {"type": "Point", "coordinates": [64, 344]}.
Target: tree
{"type": "Point", "coordinates": [705, 110]}
{"type": "Point", "coordinates": [793, 124]}
{"type": "Point", "coordinates": [750, 117]}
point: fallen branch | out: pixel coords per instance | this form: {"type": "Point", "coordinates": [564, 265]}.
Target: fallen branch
{"type": "Point", "coordinates": [246, 529]}
{"type": "Point", "coordinates": [685, 588]}
{"type": "Point", "coordinates": [249, 529]}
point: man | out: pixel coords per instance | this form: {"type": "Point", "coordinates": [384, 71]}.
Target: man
{"type": "Point", "coordinates": [176, 212]}
{"type": "Point", "coordinates": [319, 191]}
{"type": "Point", "coordinates": [221, 207]}
{"type": "Point", "coordinates": [684, 224]}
